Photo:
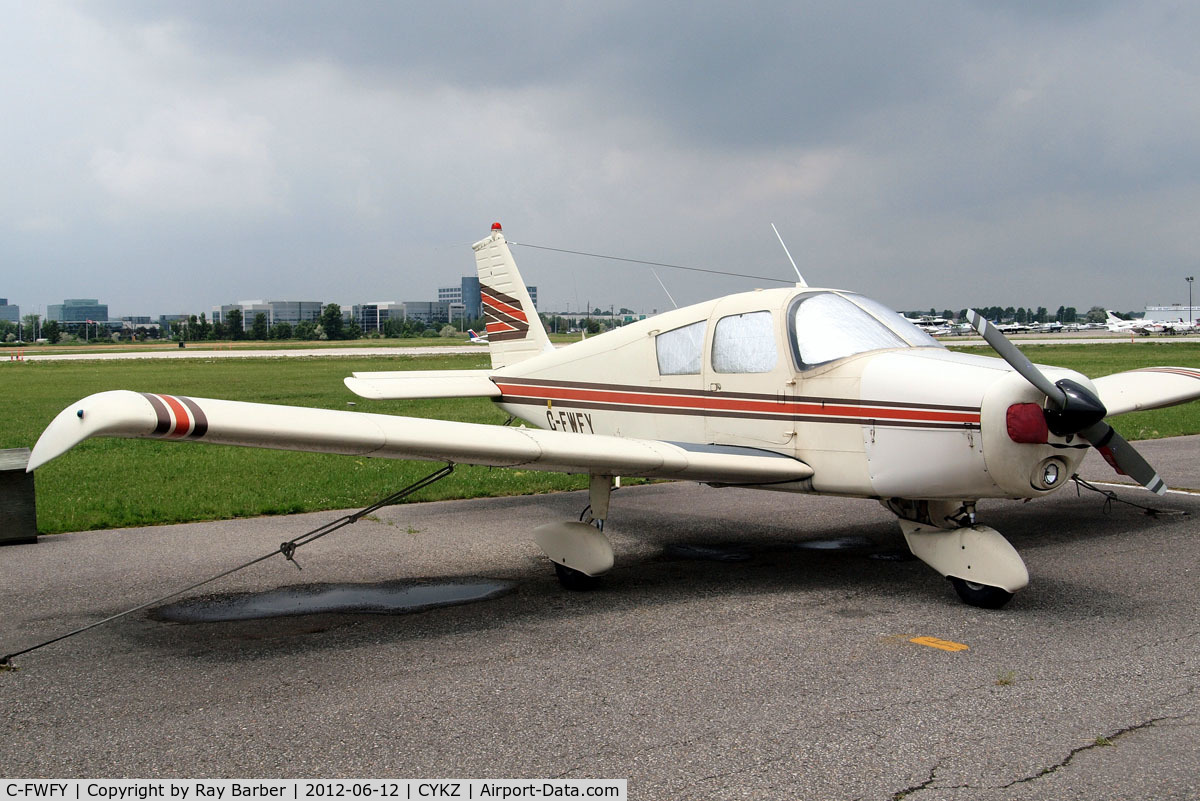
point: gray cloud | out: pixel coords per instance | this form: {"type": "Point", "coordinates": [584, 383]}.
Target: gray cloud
{"type": "Point", "coordinates": [931, 153]}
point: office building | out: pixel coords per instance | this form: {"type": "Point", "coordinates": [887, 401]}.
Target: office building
{"type": "Point", "coordinates": [10, 313]}
{"type": "Point", "coordinates": [372, 316]}
{"type": "Point", "coordinates": [78, 310]}
{"type": "Point", "coordinates": [467, 293]}
{"type": "Point", "coordinates": [277, 311]}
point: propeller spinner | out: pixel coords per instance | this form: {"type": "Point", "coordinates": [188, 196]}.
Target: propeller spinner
{"type": "Point", "coordinates": [1072, 408]}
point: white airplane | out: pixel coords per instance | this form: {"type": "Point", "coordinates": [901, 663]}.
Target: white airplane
{"type": "Point", "coordinates": [1114, 323]}
{"type": "Point", "coordinates": [1179, 326]}
{"type": "Point", "coordinates": [476, 338]}
{"type": "Point", "coordinates": [800, 389]}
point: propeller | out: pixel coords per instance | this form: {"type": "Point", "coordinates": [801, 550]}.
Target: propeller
{"type": "Point", "coordinates": [1073, 409]}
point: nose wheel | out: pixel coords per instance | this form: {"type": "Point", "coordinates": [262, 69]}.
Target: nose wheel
{"type": "Point", "coordinates": [575, 580]}
{"type": "Point", "coordinates": [982, 595]}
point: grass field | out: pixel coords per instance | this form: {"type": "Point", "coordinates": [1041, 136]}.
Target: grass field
{"type": "Point", "coordinates": [108, 483]}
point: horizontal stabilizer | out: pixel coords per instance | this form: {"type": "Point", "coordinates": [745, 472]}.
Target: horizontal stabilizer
{"type": "Point", "coordinates": [1148, 388]}
{"type": "Point", "coordinates": [412, 384]}
{"type": "Point", "coordinates": [122, 413]}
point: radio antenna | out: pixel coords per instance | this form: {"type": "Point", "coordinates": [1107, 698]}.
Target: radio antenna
{"type": "Point", "coordinates": [664, 287]}
{"type": "Point", "coordinates": [789, 255]}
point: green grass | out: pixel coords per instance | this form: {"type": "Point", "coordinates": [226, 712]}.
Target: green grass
{"type": "Point", "coordinates": [107, 483]}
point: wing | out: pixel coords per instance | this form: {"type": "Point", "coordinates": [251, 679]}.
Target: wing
{"type": "Point", "coordinates": [1148, 388]}
{"type": "Point", "coordinates": [412, 384]}
{"type": "Point", "coordinates": [122, 413]}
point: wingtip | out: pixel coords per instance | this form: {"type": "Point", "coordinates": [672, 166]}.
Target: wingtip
{"type": "Point", "coordinates": [114, 412]}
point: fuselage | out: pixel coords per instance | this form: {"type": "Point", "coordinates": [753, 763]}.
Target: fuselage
{"type": "Point", "coordinates": [874, 405]}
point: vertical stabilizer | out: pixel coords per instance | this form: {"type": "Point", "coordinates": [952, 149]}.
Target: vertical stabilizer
{"type": "Point", "coordinates": [514, 331]}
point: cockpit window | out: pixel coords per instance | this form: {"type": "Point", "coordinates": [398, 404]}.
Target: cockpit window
{"type": "Point", "coordinates": [826, 326]}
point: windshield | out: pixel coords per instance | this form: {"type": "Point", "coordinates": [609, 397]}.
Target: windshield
{"type": "Point", "coordinates": [826, 326]}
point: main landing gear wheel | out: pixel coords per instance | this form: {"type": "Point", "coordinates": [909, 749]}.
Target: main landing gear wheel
{"type": "Point", "coordinates": [575, 580]}
{"type": "Point", "coordinates": [981, 595]}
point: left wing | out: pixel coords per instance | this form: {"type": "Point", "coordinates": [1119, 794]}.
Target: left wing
{"type": "Point", "coordinates": [1147, 388]}
{"type": "Point", "coordinates": [121, 413]}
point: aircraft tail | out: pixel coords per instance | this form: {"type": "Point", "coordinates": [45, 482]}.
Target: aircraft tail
{"type": "Point", "coordinates": [514, 330]}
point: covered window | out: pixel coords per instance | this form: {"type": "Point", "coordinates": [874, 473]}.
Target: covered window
{"type": "Point", "coordinates": [681, 350]}
{"type": "Point", "coordinates": [826, 326]}
{"type": "Point", "coordinates": [744, 343]}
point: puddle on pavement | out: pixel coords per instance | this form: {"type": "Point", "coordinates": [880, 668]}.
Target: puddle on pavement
{"type": "Point", "coordinates": [836, 544]}
{"type": "Point", "coordinates": [387, 598]}
{"type": "Point", "coordinates": [708, 553]}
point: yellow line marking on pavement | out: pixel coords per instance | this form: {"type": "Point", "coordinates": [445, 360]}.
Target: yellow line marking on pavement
{"type": "Point", "coordinates": [944, 645]}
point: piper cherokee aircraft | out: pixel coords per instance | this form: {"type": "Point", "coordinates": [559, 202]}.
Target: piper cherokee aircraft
{"type": "Point", "coordinates": [475, 338]}
{"type": "Point", "coordinates": [798, 389]}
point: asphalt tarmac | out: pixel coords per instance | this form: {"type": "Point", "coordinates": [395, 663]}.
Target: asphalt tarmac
{"type": "Point", "coordinates": [747, 645]}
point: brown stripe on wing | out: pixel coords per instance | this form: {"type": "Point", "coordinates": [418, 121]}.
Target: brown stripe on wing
{"type": "Point", "coordinates": [160, 412]}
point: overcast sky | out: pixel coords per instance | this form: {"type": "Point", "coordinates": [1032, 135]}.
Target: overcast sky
{"type": "Point", "coordinates": [168, 156]}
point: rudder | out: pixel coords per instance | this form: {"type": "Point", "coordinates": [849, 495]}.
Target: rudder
{"type": "Point", "coordinates": [514, 330]}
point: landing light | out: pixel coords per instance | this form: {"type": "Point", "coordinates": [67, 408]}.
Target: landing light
{"type": "Point", "coordinates": [1048, 474]}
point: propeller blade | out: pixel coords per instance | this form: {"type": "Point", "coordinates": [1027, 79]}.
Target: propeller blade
{"type": "Point", "coordinates": [1017, 360]}
{"type": "Point", "coordinates": [1124, 458]}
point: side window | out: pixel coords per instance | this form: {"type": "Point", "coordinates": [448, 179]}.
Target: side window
{"type": "Point", "coordinates": [680, 349]}
{"type": "Point", "coordinates": [744, 343]}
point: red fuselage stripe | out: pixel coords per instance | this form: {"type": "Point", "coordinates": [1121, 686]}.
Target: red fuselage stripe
{"type": "Point", "coordinates": [716, 403]}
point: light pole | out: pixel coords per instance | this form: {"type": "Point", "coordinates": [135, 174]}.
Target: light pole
{"type": "Point", "coordinates": [1191, 314]}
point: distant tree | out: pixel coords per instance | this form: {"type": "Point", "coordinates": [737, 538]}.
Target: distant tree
{"type": "Point", "coordinates": [354, 330]}
{"type": "Point", "coordinates": [281, 331]}
{"type": "Point", "coordinates": [306, 330]}
{"type": "Point", "coordinates": [234, 327]}
{"type": "Point", "coordinates": [593, 326]}
{"type": "Point", "coordinates": [392, 328]}
{"type": "Point", "coordinates": [1070, 315]}
{"type": "Point", "coordinates": [52, 332]}
{"type": "Point", "coordinates": [191, 328]}
{"type": "Point", "coordinates": [203, 327]}
{"type": "Point", "coordinates": [1096, 314]}
{"type": "Point", "coordinates": [448, 331]}
{"type": "Point", "coordinates": [220, 330]}
{"type": "Point", "coordinates": [332, 323]}
{"type": "Point", "coordinates": [258, 329]}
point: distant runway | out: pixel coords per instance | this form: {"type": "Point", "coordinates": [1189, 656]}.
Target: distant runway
{"type": "Point", "coordinates": [32, 355]}
{"type": "Point", "coordinates": [752, 645]}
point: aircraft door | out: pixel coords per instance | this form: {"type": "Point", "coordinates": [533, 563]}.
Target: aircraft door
{"type": "Point", "coordinates": [749, 379]}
